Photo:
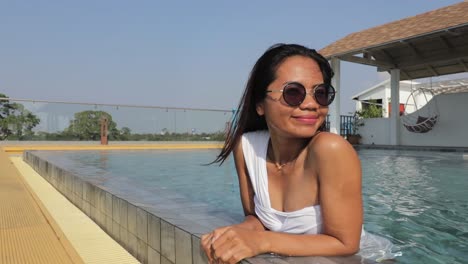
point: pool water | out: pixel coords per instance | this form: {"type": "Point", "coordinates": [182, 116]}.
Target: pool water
{"type": "Point", "coordinates": [416, 199]}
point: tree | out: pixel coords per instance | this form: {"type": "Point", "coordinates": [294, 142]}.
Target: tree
{"type": "Point", "coordinates": [15, 121]}
{"type": "Point", "coordinates": [125, 133]}
{"type": "Point", "coordinates": [86, 125]}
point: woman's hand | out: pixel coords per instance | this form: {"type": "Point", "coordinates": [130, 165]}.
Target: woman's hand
{"type": "Point", "coordinates": [231, 244]}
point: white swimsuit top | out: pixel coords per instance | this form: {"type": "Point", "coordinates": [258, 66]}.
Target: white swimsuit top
{"type": "Point", "coordinates": [307, 220]}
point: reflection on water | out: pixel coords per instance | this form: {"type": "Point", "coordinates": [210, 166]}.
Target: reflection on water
{"type": "Point", "coordinates": [418, 200]}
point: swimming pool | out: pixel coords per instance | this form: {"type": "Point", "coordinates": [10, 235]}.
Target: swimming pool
{"type": "Point", "coordinates": [418, 200]}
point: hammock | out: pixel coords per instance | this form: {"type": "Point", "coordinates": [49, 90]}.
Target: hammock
{"type": "Point", "coordinates": [424, 118]}
{"type": "Point", "coordinates": [423, 124]}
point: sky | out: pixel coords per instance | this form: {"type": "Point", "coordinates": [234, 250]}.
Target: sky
{"type": "Point", "coordinates": [195, 54]}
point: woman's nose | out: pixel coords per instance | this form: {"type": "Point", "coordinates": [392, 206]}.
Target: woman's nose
{"type": "Point", "coordinates": [309, 102]}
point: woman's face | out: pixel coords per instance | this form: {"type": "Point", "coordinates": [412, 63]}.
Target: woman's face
{"type": "Point", "coordinates": [294, 121]}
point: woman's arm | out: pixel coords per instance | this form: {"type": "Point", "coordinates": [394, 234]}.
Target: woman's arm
{"type": "Point", "coordinates": [251, 222]}
{"type": "Point", "coordinates": [246, 191]}
{"type": "Point", "coordinates": [339, 174]}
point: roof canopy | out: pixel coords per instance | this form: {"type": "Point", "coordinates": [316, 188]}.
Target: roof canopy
{"type": "Point", "coordinates": [430, 44]}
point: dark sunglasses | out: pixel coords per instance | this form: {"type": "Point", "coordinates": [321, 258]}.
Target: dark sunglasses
{"type": "Point", "coordinates": [294, 93]}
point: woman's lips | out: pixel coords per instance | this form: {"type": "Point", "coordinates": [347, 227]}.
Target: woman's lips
{"type": "Point", "coordinates": [307, 119]}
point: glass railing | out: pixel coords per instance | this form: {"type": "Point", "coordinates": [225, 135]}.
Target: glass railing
{"type": "Point", "coordinates": [24, 119]}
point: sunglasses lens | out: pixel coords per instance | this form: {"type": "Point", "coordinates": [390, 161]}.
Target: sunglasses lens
{"type": "Point", "coordinates": [294, 94]}
{"type": "Point", "coordinates": [324, 94]}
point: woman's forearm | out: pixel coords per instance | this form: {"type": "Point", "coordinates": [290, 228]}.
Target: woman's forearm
{"type": "Point", "coordinates": [252, 222]}
{"type": "Point", "coordinates": [304, 245]}
{"type": "Point", "coordinates": [297, 245]}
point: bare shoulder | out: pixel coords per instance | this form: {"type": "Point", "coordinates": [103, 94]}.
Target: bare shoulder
{"type": "Point", "coordinates": [329, 145]}
{"type": "Point", "coordinates": [329, 141]}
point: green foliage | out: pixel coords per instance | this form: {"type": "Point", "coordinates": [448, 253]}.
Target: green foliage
{"type": "Point", "coordinates": [371, 110]}
{"type": "Point", "coordinates": [15, 121]}
{"type": "Point", "coordinates": [87, 126]}
{"type": "Point", "coordinates": [219, 136]}
{"type": "Point", "coordinates": [125, 133]}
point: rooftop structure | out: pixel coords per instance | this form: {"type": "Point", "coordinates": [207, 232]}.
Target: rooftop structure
{"type": "Point", "coordinates": [429, 44]}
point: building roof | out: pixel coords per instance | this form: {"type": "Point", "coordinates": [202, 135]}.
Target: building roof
{"type": "Point", "coordinates": [429, 44]}
{"type": "Point", "coordinates": [447, 86]}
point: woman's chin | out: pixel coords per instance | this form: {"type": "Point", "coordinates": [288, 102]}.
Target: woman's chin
{"type": "Point", "coordinates": [304, 132]}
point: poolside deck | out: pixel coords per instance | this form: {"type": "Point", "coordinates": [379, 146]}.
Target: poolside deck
{"type": "Point", "coordinates": [26, 233]}
{"type": "Point", "coordinates": [39, 225]}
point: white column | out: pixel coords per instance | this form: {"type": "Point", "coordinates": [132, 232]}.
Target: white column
{"type": "Point", "coordinates": [358, 105]}
{"type": "Point", "coordinates": [395, 113]}
{"type": "Point", "coordinates": [334, 108]}
{"type": "Point", "coordinates": [385, 102]}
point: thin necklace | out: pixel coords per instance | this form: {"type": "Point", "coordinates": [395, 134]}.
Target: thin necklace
{"type": "Point", "coordinates": [278, 165]}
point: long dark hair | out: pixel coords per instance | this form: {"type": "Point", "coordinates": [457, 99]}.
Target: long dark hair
{"type": "Point", "coordinates": [263, 73]}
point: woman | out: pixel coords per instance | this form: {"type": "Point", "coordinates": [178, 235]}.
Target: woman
{"type": "Point", "coordinates": [300, 187]}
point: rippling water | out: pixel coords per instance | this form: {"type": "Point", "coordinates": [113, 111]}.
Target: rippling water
{"type": "Point", "coordinates": [418, 200]}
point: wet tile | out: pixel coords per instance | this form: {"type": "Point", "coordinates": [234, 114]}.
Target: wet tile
{"type": "Point", "coordinates": [154, 232]}
{"type": "Point", "coordinates": [102, 219]}
{"type": "Point", "coordinates": [79, 187]}
{"type": "Point", "coordinates": [142, 251]}
{"type": "Point", "coordinates": [153, 256]}
{"type": "Point", "coordinates": [167, 241]}
{"type": "Point", "coordinates": [69, 182]}
{"type": "Point", "coordinates": [142, 224]}
{"type": "Point", "coordinates": [124, 236]}
{"type": "Point", "coordinates": [183, 247]}
{"type": "Point", "coordinates": [165, 261]}
{"type": "Point", "coordinates": [116, 208]}
{"type": "Point", "coordinates": [266, 259]}
{"type": "Point", "coordinates": [116, 231]}
{"type": "Point", "coordinates": [198, 254]}
{"type": "Point", "coordinates": [132, 244]}
{"type": "Point", "coordinates": [86, 208]}
{"type": "Point", "coordinates": [102, 201]}
{"type": "Point", "coordinates": [92, 195]}
{"type": "Point", "coordinates": [109, 224]}
{"type": "Point", "coordinates": [195, 228]}
{"type": "Point", "coordinates": [108, 204]}
{"type": "Point", "coordinates": [123, 205]}
{"type": "Point", "coordinates": [86, 192]}
{"type": "Point", "coordinates": [132, 219]}
{"type": "Point", "coordinates": [77, 201]}
{"type": "Point", "coordinates": [306, 260]}
{"type": "Point", "coordinates": [93, 213]}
